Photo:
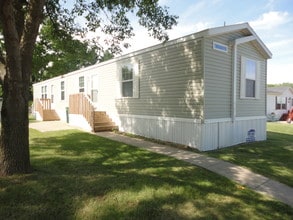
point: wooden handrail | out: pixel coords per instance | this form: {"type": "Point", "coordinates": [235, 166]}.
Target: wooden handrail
{"type": "Point", "coordinates": [82, 105]}
{"type": "Point", "coordinates": [38, 107]}
{"type": "Point", "coordinates": [46, 103]}
{"type": "Point", "coordinates": [41, 105]}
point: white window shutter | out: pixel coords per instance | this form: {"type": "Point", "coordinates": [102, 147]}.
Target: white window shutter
{"type": "Point", "coordinates": [242, 78]}
{"type": "Point", "coordinates": [136, 80]}
{"type": "Point", "coordinates": [258, 79]}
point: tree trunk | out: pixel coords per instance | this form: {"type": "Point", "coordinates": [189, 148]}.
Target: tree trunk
{"type": "Point", "coordinates": [14, 149]}
{"type": "Point", "coordinates": [20, 33]}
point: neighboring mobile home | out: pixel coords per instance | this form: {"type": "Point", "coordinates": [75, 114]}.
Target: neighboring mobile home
{"type": "Point", "coordinates": [206, 90]}
{"type": "Point", "coordinates": [279, 101]}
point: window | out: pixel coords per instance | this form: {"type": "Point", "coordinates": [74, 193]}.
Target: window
{"type": "Point", "coordinates": [220, 47]}
{"type": "Point", "coordinates": [281, 103]}
{"type": "Point", "coordinates": [52, 93]}
{"type": "Point", "coordinates": [44, 92]}
{"type": "Point", "coordinates": [62, 90]}
{"type": "Point", "coordinates": [249, 78]}
{"type": "Point", "coordinates": [127, 81]}
{"type": "Point", "coordinates": [81, 84]}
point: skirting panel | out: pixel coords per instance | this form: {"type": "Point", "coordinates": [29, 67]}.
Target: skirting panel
{"type": "Point", "coordinates": [181, 131]}
{"type": "Point", "coordinates": [203, 136]}
{"type": "Point", "coordinates": [227, 133]}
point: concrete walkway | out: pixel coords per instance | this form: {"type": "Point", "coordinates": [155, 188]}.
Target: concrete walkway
{"type": "Point", "coordinates": [44, 126]}
{"type": "Point", "coordinates": [233, 172]}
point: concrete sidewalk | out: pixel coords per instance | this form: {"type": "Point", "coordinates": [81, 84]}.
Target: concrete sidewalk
{"type": "Point", "coordinates": [233, 172]}
{"type": "Point", "coordinates": [44, 126]}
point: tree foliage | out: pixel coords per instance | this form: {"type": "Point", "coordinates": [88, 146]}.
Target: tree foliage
{"type": "Point", "coordinates": [57, 53]}
{"type": "Point", "coordinates": [20, 22]}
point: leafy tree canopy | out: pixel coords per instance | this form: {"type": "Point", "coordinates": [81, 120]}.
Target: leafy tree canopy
{"type": "Point", "coordinates": [57, 53]}
{"type": "Point", "coordinates": [111, 17]}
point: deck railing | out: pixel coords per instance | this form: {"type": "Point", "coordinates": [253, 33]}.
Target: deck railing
{"type": "Point", "coordinates": [38, 107]}
{"type": "Point", "coordinates": [41, 105]}
{"type": "Point", "coordinates": [82, 105]}
{"type": "Point", "coordinates": [46, 103]}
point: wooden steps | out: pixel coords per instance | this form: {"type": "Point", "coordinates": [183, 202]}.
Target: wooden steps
{"type": "Point", "coordinates": [102, 122]}
{"type": "Point", "coordinates": [50, 115]}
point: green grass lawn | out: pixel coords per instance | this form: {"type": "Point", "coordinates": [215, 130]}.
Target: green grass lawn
{"type": "Point", "coordinates": [81, 176]}
{"type": "Point", "coordinates": [272, 158]}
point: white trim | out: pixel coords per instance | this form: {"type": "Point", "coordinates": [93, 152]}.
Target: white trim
{"type": "Point", "coordinates": [250, 118]}
{"type": "Point", "coordinates": [162, 118]}
{"type": "Point", "coordinates": [191, 120]}
{"type": "Point", "coordinates": [216, 120]}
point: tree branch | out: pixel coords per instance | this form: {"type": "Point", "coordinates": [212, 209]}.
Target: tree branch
{"type": "Point", "coordinates": [31, 30]}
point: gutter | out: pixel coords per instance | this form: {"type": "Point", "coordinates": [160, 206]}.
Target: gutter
{"type": "Point", "coordinates": [234, 78]}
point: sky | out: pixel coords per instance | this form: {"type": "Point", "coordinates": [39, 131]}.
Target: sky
{"type": "Point", "coordinates": [272, 20]}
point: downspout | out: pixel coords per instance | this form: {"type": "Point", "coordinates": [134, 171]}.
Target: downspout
{"type": "Point", "coordinates": [234, 78]}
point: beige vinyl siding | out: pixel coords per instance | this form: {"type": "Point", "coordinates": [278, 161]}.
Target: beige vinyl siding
{"type": "Point", "coordinates": [251, 107]}
{"type": "Point", "coordinates": [170, 83]}
{"type": "Point", "coordinates": [218, 78]}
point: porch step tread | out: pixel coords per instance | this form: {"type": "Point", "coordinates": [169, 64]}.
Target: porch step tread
{"type": "Point", "coordinates": [105, 128]}
{"type": "Point", "coordinates": [104, 123]}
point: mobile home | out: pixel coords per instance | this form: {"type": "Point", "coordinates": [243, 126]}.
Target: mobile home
{"type": "Point", "coordinates": [206, 90]}
{"type": "Point", "coordinates": [279, 101]}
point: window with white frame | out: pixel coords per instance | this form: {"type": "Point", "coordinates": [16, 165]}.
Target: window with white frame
{"type": "Point", "coordinates": [127, 81]}
{"type": "Point", "coordinates": [44, 92]}
{"type": "Point", "coordinates": [81, 84]}
{"type": "Point", "coordinates": [249, 78]}
{"type": "Point", "coordinates": [62, 87]}
{"type": "Point", "coordinates": [281, 103]}
{"type": "Point", "coordinates": [52, 93]}
{"type": "Point", "coordinates": [220, 47]}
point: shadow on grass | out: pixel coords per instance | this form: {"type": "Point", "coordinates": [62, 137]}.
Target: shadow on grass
{"type": "Point", "coordinates": [82, 176]}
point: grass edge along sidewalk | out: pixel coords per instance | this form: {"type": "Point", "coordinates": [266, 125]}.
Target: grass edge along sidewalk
{"type": "Point", "coordinates": [233, 172]}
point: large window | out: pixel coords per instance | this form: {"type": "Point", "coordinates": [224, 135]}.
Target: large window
{"type": "Point", "coordinates": [62, 87]}
{"type": "Point", "coordinates": [127, 81]}
{"type": "Point", "coordinates": [81, 84]}
{"type": "Point", "coordinates": [249, 78]}
{"type": "Point", "coordinates": [281, 103]}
